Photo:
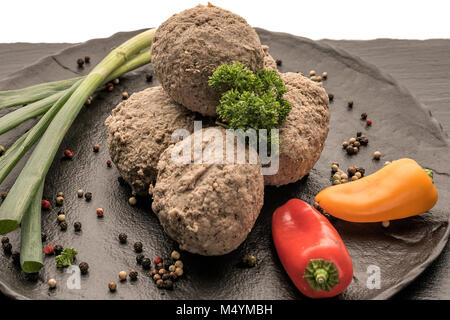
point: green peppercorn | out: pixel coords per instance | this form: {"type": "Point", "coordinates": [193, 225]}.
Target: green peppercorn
{"type": "Point", "coordinates": [123, 238]}
{"type": "Point", "coordinates": [249, 260]}
{"type": "Point", "coordinates": [138, 247]}
{"type": "Point", "coordinates": [84, 267]}
{"type": "Point", "coordinates": [139, 258]}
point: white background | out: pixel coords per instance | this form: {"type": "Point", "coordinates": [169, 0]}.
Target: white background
{"type": "Point", "coordinates": [80, 20]}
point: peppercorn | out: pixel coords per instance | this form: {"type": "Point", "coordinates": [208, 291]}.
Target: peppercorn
{"type": "Point", "coordinates": [84, 267]}
{"type": "Point", "coordinates": [175, 255]}
{"type": "Point", "coordinates": [133, 274]}
{"type": "Point", "coordinates": [361, 170]}
{"type": "Point", "coordinates": [68, 154]}
{"type": "Point", "coordinates": [168, 284]}
{"type": "Point", "coordinates": [279, 62]}
{"type": "Point", "coordinates": [363, 140]}
{"type": "Point", "coordinates": [88, 101]}
{"type": "Point", "coordinates": [146, 263]}
{"type": "Point", "coordinates": [80, 63]}
{"type": "Point", "coordinates": [51, 283]}
{"type": "Point", "coordinates": [110, 87]}
{"type": "Point", "coordinates": [99, 212]}
{"type": "Point", "coordinates": [61, 217]}
{"type": "Point", "coordinates": [87, 59]}
{"type": "Point", "coordinates": [58, 249]}
{"type": "Point", "coordinates": [324, 75]}
{"type": "Point", "coordinates": [88, 196]}
{"type": "Point", "coordinates": [345, 144]}
{"type": "Point", "coordinates": [354, 178]}
{"type": "Point", "coordinates": [116, 81]}
{"type": "Point", "coordinates": [249, 261]}
{"type": "Point", "coordinates": [123, 238]}
{"type": "Point", "coordinates": [16, 257]}
{"type": "Point", "coordinates": [330, 97]}
{"type": "Point", "coordinates": [77, 226]}
{"type": "Point", "coordinates": [2, 150]}
{"type": "Point", "coordinates": [358, 134]}
{"type": "Point", "coordinates": [179, 272]}
{"type": "Point", "coordinates": [350, 150]}
{"type": "Point", "coordinates": [156, 277]}
{"type": "Point", "coordinates": [350, 104]}
{"type": "Point", "coordinates": [159, 283]}
{"type": "Point", "coordinates": [149, 77]}
{"type": "Point", "coordinates": [5, 240]}
{"type": "Point", "coordinates": [165, 276]}
{"type": "Point", "coordinates": [45, 204]}
{"type": "Point", "coordinates": [122, 275]}
{"type": "Point", "coordinates": [4, 195]}
{"type": "Point", "coordinates": [154, 271]}
{"type": "Point", "coordinates": [171, 268]}
{"type": "Point", "coordinates": [63, 226]}
{"type": "Point", "coordinates": [132, 201]}
{"type": "Point", "coordinates": [109, 163]}
{"type": "Point", "coordinates": [138, 247]}
{"type": "Point", "coordinates": [312, 73]}
{"type": "Point", "coordinates": [334, 168]}
{"type": "Point", "coordinates": [179, 264]}
{"type": "Point", "coordinates": [112, 286]}
{"type": "Point", "coordinates": [157, 260]}
{"type": "Point", "coordinates": [363, 116]}
{"type": "Point", "coordinates": [377, 155]}
{"type": "Point", "coordinates": [173, 275]}
{"type": "Point", "coordinates": [355, 149]}
{"type": "Point", "coordinates": [43, 236]}
{"type": "Point", "coordinates": [358, 174]}
{"type": "Point", "coordinates": [351, 171]}
{"type": "Point", "coordinates": [386, 224]}
{"type": "Point", "coordinates": [356, 144]}
{"type": "Point", "coordinates": [59, 201]}
{"type": "Point", "coordinates": [7, 248]}
{"type": "Point", "coordinates": [369, 122]}
{"type": "Point", "coordinates": [80, 193]}
{"type": "Point", "coordinates": [159, 266]}
{"type": "Point", "coordinates": [96, 148]}
{"type": "Point", "coordinates": [125, 95]}
{"type": "Point", "coordinates": [162, 271]}
{"type": "Point", "coordinates": [139, 258]}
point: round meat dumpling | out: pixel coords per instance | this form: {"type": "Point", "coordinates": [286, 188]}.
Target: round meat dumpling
{"type": "Point", "coordinates": [139, 130]}
{"type": "Point", "coordinates": [302, 136]}
{"type": "Point", "coordinates": [210, 207]}
{"type": "Point", "coordinates": [189, 46]}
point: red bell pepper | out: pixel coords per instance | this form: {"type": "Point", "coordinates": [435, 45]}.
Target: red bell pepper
{"type": "Point", "coordinates": [311, 250]}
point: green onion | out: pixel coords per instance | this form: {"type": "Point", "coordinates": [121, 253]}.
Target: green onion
{"type": "Point", "coordinates": [13, 98]}
{"type": "Point", "coordinates": [27, 184]}
{"type": "Point", "coordinates": [31, 243]}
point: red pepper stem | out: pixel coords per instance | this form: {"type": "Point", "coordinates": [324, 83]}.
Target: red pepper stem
{"type": "Point", "coordinates": [321, 274]}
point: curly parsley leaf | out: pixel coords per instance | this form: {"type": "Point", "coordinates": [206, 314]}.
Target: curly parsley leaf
{"type": "Point", "coordinates": [66, 257]}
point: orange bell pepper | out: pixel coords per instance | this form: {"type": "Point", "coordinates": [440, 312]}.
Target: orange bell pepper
{"type": "Point", "coordinates": [399, 190]}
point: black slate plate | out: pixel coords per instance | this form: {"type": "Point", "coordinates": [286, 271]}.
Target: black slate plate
{"type": "Point", "coordinates": [401, 128]}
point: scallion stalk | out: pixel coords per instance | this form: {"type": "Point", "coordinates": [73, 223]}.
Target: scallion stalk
{"type": "Point", "coordinates": [31, 241]}
{"type": "Point", "coordinates": [27, 184]}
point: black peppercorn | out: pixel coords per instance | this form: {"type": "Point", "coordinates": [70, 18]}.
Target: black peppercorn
{"type": "Point", "coordinates": [63, 226]}
{"type": "Point", "coordinates": [168, 284]}
{"type": "Point", "coordinates": [77, 226]}
{"type": "Point", "coordinates": [80, 63]}
{"type": "Point", "coordinates": [149, 78]}
{"type": "Point", "coordinates": [279, 62]}
{"type": "Point", "coordinates": [4, 195]}
{"type": "Point", "coordinates": [109, 163]}
{"type": "Point", "coordinates": [139, 258]}
{"type": "Point", "coordinates": [363, 140]}
{"type": "Point", "coordinates": [60, 212]}
{"type": "Point", "coordinates": [138, 247]}
{"type": "Point", "coordinates": [363, 116]}
{"type": "Point", "coordinates": [146, 263]}
{"type": "Point", "coordinates": [7, 248]}
{"type": "Point", "coordinates": [87, 59]}
{"type": "Point", "coordinates": [350, 150]}
{"type": "Point", "coordinates": [159, 266]}
{"type": "Point", "coordinates": [88, 196]}
{"type": "Point", "coordinates": [173, 276]}
{"type": "Point", "coordinates": [5, 240]}
{"type": "Point", "coordinates": [16, 257]}
{"type": "Point", "coordinates": [84, 267]}
{"type": "Point", "coordinates": [96, 148]}
{"type": "Point", "coordinates": [133, 274]}
{"type": "Point", "coordinates": [330, 96]}
{"type": "Point", "coordinates": [350, 104]}
{"type": "Point", "coordinates": [359, 134]}
{"type": "Point", "coordinates": [165, 276]}
{"type": "Point", "coordinates": [123, 238]}
{"type": "Point", "coordinates": [58, 249]}
{"type": "Point", "coordinates": [160, 283]}
{"type": "Point", "coordinates": [43, 236]}
{"type": "Point", "coordinates": [361, 170]}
